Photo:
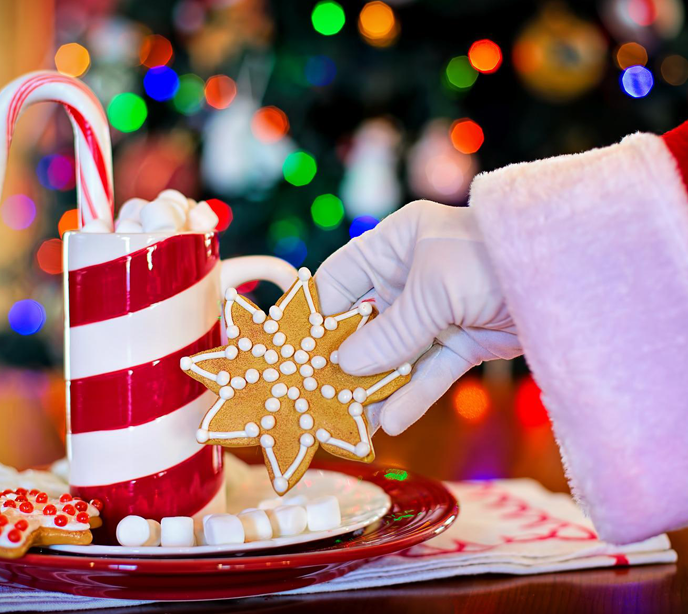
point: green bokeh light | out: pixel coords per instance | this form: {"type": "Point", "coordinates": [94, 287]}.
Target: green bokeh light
{"type": "Point", "coordinates": [328, 18]}
{"type": "Point", "coordinates": [299, 168]}
{"type": "Point", "coordinates": [285, 228]}
{"type": "Point", "coordinates": [189, 97]}
{"type": "Point", "coordinates": [460, 74]}
{"type": "Point", "coordinates": [127, 112]}
{"type": "Point", "coordinates": [327, 211]}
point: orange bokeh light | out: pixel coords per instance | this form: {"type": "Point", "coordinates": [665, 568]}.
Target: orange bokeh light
{"type": "Point", "coordinates": [68, 221]}
{"type": "Point", "coordinates": [156, 50]}
{"type": "Point", "coordinates": [485, 56]}
{"type": "Point", "coordinates": [470, 399]}
{"type": "Point", "coordinates": [378, 24]}
{"type": "Point", "coordinates": [269, 124]}
{"type": "Point", "coordinates": [220, 91]}
{"type": "Point", "coordinates": [631, 54]}
{"type": "Point", "coordinates": [466, 136]}
{"type": "Point", "coordinates": [49, 256]}
{"type": "Point", "coordinates": [72, 59]}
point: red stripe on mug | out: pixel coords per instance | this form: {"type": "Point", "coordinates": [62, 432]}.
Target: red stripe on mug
{"type": "Point", "coordinates": [182, 490]}
{"type": "Point", "coordinates": [147, 276]}
{"type": "Point", "coordinates": [137, 394]}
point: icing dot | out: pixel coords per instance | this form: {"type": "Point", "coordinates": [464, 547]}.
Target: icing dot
{"type": "Point", "coordinates": [267, 441]}
{"type": "Point", "coordinates": [238, 382]}
{"type": "Point", "coordinates": [331, 323]}
{"type": "Point", "coordinates": [279, 338]}
{"type": "Point", "coordinates": [404, 369]}
{"type": "Point", "coordinates": [270, 375]}
{"type": "Point", "coordinates": [345, 396]}
{"type": "Point", "coordinates": [306, 370]}
{"type": "Point", "coordinates": [334, 357]}
{"type": "Point", "coordinates": [231, 352]}
{"type": "Point", "coordinates": [362, 449]}
{"type": "Point", "coordinates": [327, 391]}
{"type": "Point", "coordinates": [365, 309]}
{"type": "Point", "coordinates": [300, 356]}
{"type": "Point", "coordinates": [323, 436]}
{"type": "Point", "coordinates": [315, 319]}
{"type": "Point", "coordinates": [251, 429]}
{"type": "Point", "coordinates": [355, 409]}
{"type": "Point", "coordinates": [252, 376]}
{"type": "Point", "coordinates": [310, 384]}
{"type": "Point", "coordinates": [222, 378]}
{"type": "Point", "coordinates": [271, 357]}
{"type": "Point", "coordinates": [201, 435]}
{"type": "Point", "coordinates": [245, 344]}
{"type": "Point", "coordinates": [279, 390]}
{"type": "Point", "coordinates": [318, 362]}
{"type": "Point", "coordinates": [226, 393]}
{"type": "Point", "coordinates": [307, 439]}
{"type": "Point", "coordinates": [267, 422]}
{"type": "Point", "coordinates": [258, 350]}
{"type": "Point", "coordinates": [308, 344]}
{"type": "Point", "coordinates": [360, 395]}
{"type": "Point", "coordinates": [270, 327]}
{"type": "Point", "coordinates": [280, 484]}
{"type": "Point", "coordinates": [230, 294]}
{"type": "Point", "coordinates": [304, 274]}
{"type": "Point", "coordinates": [288, 367]}
{"type": "Point", "coordinates": [317, 331]}
{"type": "Point", "coordinates": [185, 363]}
{"type": "Point", "coordinates": [287, 350]}
{"type": "Point", "coordinates": [232, 331]}
{"type": "Point", "coordinates": [272, 404]}
{"type": "Point", "coordinates": [293, 393]}
{"type": "Point", "coordinates": [259, 316]}
{"type": "Point", "coordinates": [275, 312]}
{"type": "Point", "coordinates": [306, 422]}
{"type": "Point", "coordinates": [301, 405]}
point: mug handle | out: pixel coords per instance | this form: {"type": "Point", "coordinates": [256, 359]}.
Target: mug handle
{"type": "Point", "coordinates": [237, 271]}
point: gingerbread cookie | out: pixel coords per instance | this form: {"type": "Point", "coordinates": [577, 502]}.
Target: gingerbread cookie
{"type": "Point", "coordinates": [31, 518]}
{"type": "Point", "coordinates": [280, 386]}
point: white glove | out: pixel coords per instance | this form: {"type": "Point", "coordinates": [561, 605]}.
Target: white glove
{"type": "Point", "coordinates": [436, 287]}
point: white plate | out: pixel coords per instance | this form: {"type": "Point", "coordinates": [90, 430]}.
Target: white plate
{"type": "Point", "coordinates": [362, 504]}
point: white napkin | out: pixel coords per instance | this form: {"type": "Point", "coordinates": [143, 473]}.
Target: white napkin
{"type": "Point", "coordinates": [504, 526]}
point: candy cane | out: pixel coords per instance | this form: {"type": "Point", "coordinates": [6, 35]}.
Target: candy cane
{"type": "Point", "coordinates": [91, 136]}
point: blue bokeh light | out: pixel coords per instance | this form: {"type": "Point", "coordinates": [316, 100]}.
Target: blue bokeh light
{"type": "Point", "coordinates": [637, 81]}
{"type": "Point", "coordinates": [320, 70]}
{"type": "Point", "coordinates": [161, 83]}
{"type": "Point", "coordinates": [56, 172]}
{"type": "Point", "coordinates": [26, 317]}
{"type": "Point", "coordinates": [291, 249]}
{"type": "Point", "coordinates": [362, 224]}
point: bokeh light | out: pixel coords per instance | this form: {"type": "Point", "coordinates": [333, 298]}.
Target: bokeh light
{"type": "Point", "coordinates": [470, 399]}
{"type": "Point", "coordinates": [529, 408]}
{"type": "Point", "coordinates": [190, 95]}
{"type": "Point", "coordinates": [637, 81]}
{"type": "Point", "coordinates": [269, 124]}
{"type": "Point", "coordinates": [631, 54]}
{"type": "Point", "coordinates": [674, 69]}
{"type": "Point", "coordinates": [327, 211]}
{"type": "Point", "coordinates": [18, 211]}
{"type": "Point", "coordinates": [155, 50]}
{"type": "Point", "coordinates": [72, 59]}
{"type": "Point", "coordinates": [26, 317]}
{"type": "Point", "coordinates": [320, 70]}
{"type": "Point", "coordinates": [378, 24]}
{"type": "Point", "coordinates": [328, 18]}
{"type": "Point", "coordinates": [223, 211]}
{"type": "Point", "coordinates": [68, 221]}
{"type": "Point", "coordinates": [56, 172]}
{"type": "Point", "coordinates": [161, 83]}
{"type": "Point", "coordinates": [220, 91]}
{"type": "Point", "coordinates": [291, 249]}
{"type": "Point", "coordinates": [643, 12]}
{"type": "Point", "coordinates": [248, 287]}
{"type": "Point", "coordinates": [362, 224]}
{"type": "Point", "coordinates": [127, 112]}
{"type": "Point", "coordinates": [460, 74]}
{"type": "Point", "coordinates": [466, 136]}
{"type": "Point", "coordinates": [49, 256]}
{"type": "Point", "coordinates": [485, 56]}
{"type": "Point", "coordinates": [299, 168]}
{"type": "Point", "coordinates": [285, 228]}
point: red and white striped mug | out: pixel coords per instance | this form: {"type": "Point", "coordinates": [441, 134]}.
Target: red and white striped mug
{"type": "Point", "coordinates": [134, 305]}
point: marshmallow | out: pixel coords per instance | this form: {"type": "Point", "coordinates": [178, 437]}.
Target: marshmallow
{"type": "Point", "coordinates": [288, 520]}
{"type": "Point", "coordinates": [256, 525]}
{"type": "Point", "coordinates": [131, 209]}
{"type": "Point", "coordinates": [295, 500]}
{"type": "Point", "coordinates": [96, 226]}
{"type": "Point", "coordinates": [223, 529]}
{"type": "Point", "coordinates": [162, 216]}
{"type": "Point", "coordinates": [268, 504]}
{"type": "Point", "coordinates": [176, 197]}
{"type": "Point", "coordinates": [323, 513]}
{"type": "Point", "coordinates": [128, 226]}
{"type": "Point", "coordinates": [134, 531]}
{"type": "Point", "coordinates": [177, 531]}
{"type": "Point", "coordinates": [202, 218]}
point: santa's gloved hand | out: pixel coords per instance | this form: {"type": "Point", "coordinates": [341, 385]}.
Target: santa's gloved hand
{"type": "Point", "coordinates": [439, 298]}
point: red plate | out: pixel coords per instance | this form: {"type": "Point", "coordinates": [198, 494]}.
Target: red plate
{"type": "Point", "coordinates": [421, 508]}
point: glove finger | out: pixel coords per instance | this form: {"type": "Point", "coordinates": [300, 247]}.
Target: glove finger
{"type": "Point", "coordinates": [432, 376]}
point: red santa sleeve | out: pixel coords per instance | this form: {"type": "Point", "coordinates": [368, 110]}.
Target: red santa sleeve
{"type": "Point", "coordinates": [592, 252]}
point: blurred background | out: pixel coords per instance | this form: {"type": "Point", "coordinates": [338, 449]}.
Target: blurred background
{"type": "Point", "coordinates": [303, 124]}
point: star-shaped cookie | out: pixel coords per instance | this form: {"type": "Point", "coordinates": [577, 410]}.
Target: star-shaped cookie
{"type": "Point", "coordinates": [280, 386]}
